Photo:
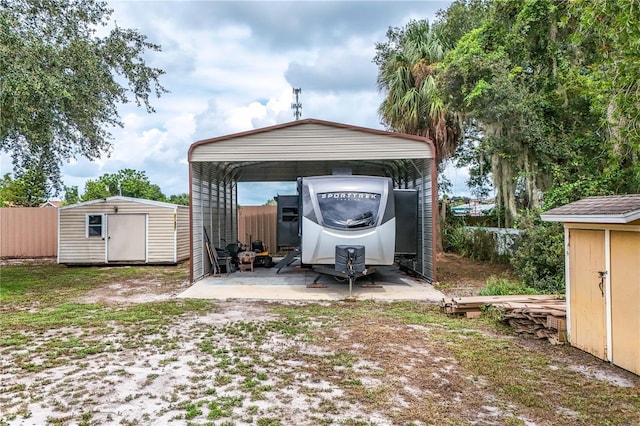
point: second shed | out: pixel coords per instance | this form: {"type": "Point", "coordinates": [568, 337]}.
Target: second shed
{"type": "Point", "coordinates": [123, 230]}
{"type": "Point", "coordinates": [602, 258]}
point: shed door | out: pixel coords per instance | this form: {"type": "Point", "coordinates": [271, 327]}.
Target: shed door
{"type": "Point", "coordinates": [127, 235]}
{"type": "Point", "coordinates": [587, 291]}
{"type": "Point", "coordinates": [625, 300]}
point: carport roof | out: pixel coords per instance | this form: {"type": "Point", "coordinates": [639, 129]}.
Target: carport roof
{"type": "Point", "coordinates": [309, 147]}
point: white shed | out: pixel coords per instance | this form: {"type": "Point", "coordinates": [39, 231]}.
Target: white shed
{"type": "Point", "coordinates": [123, 230]}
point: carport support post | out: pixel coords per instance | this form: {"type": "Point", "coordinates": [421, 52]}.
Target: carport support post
{"type": "Point", "coordinates": [422, 232]}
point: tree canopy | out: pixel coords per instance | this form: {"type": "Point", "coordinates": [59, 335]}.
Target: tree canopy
{"type": "Point", "coordinates": [181, 199]}
{"type": "Point", "coordinates": [28, 190]}
{"type": "Point", "coordinates": [61, 81]}
{"type": "Point", "coordinates": [125, 182]}
{"type": "Point", "coordinates": [547, 93]}
{"type": "Point", "coordinates": [548, 96]}
{"type": "Point", "coordinates": [407, 64]}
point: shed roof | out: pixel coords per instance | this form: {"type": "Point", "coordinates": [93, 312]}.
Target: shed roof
{"type": "Point", "coordinates": [603, 209]}
{"type": "Point", "coordinates": [51, 203]}
{"type": "Point", "coordinates": [121, 198]}
{"type": "Point", "coordinates": [308, 147]}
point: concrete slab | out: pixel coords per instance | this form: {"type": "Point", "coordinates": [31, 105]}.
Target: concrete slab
{"type": "Point", "coordinates": [291, 284]}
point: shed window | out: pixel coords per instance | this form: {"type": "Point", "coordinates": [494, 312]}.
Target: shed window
{"type": "Point", "coordinates": [94, 225]}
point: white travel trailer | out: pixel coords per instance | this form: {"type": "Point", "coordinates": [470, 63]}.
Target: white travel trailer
{"type": "Point", "coordinates": [350, 224]}
{"type": "Point", "coordinates": [347, 211]}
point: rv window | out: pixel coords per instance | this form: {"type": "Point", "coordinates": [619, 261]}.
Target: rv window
{"type": "Point", "coordinates": [94, 225]}
{"type": "Point", "coordinates": [289, 214]}
{"type": "Point", "coordinates": [349, 209]}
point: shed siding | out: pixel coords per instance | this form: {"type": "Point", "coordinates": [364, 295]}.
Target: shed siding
{"type": "Point", "coordinates": [586, 258]}
{"type": "Point", "coordinates": [182, 237]}
{"type": "Point", "coordinates": [75, 247]}
{"type": "Point", "coordinates": [160, 235]}
{"type": "Point", "coordinates": [312, 140]}
{"type": "Point", "coordinates": [625, 299]}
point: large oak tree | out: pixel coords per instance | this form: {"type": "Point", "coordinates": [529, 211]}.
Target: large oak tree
{"type": "Point", "coordinates": [64, 70]}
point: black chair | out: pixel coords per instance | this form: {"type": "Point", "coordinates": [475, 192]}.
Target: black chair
{"type": "Point", "coordinates": [224, 260]}
{"type": "Point", "coordinates": [257, 246]}
{"type": "Point", "coordinates": [233, 249]}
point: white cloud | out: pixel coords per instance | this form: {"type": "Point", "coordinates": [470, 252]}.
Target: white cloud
{"type": "Point", "coordinates": [342, 68]}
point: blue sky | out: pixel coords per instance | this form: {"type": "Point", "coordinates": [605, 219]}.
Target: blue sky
{"type": "Point", "coordinates": [231, 66]}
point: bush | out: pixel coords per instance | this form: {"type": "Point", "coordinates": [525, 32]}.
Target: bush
{"type": "Point", "coordinates": [453, 238]}
{"type": "Point", "coordinates": [477, 244]}
{"type": "Point", "coordinates": [539, 259]}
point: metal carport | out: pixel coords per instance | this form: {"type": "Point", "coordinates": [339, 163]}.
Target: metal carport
{"type": "Point", "coordinates": [306, 147]}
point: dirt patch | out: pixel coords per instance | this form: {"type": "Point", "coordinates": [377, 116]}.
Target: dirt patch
{"type": "Point", "coordinates": [249, 363]}
{"type": "Point", "coordinates": [243, 363]}
{"type": "Point", "coordinates": [134, 291]}
{"type": "Point", "coordinates": [156, 286]}
{"type": "Point", "coordinates": [461, 276]}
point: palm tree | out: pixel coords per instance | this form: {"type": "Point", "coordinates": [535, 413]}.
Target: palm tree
{"type": "Point", "coordinates": [407, 77]}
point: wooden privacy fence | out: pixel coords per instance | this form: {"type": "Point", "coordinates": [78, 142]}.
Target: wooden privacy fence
{"type": "Point", "coordinates": [258, 223]}
{"type": "Point", "coordinates": [27, 232]}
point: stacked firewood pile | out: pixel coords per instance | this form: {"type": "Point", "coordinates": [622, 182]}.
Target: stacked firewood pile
{"type": "Point", "coordinates": [537, 316]}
